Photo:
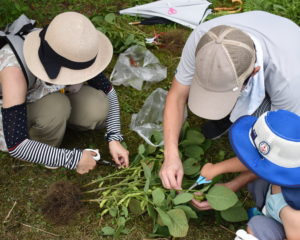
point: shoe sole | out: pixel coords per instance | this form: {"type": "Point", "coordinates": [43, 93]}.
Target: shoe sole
{"type": "Point", "coordinates": [52, 168]}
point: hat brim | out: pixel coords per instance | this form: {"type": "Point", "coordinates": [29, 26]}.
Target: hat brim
{"type": "Point", "coordinates": [248, 154]}
{"type": "Point", "coordinates": [211, 105]}
{"type": "Point", "coordinates": [66, 76]}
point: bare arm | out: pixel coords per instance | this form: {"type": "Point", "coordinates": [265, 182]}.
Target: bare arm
{"type": "Point", "coordinates": [171, 172]}
{"type": "Point", "coordinates": [14, 86]}
{"type": "Point", "coordinates": [290, 219]}
{"type": "Point", "coordinates": [231, 165]}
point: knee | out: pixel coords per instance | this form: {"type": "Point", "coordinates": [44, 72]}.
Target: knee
{"type": "Point", "coordinates": [56, 112]}
{"type": "Point", "coordinates": [98, 109]}
{"type": "Point", "coordinates": [89, 108]}
{"type": "Point", "coordinates": [263, 227]}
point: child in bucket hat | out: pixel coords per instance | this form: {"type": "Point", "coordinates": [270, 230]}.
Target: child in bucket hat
{"type": "Point", "coordinates": [268, 146]}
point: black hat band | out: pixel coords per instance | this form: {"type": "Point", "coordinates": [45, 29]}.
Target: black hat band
{"type": "Point", "coordinates": [52, 62]}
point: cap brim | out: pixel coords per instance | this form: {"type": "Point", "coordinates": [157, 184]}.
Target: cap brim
{"type": "Point", "coordinates": [247, 153]}
{"type": "Point", "coordinates": [211, 105]}
{"type": "Point", "coordinates": [66, 76]}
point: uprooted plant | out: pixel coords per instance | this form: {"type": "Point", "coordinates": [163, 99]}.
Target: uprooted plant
{"type": "Point", "coordinates": [137, 190]}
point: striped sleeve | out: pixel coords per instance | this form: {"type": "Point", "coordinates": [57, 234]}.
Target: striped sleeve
{"type": "Point", "coordinates": [19, 146]}
{"type": "Point", "coordinates": [41, 153]}
{"type": "Point", "coordinates": [113, 125]}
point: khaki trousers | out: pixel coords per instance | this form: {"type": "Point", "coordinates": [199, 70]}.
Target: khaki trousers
{"type": "Point", "coordinates": [49, 116]}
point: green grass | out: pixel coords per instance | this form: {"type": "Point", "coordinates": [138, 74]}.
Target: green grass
{"type": "Point", "coordinates": [27, 184]}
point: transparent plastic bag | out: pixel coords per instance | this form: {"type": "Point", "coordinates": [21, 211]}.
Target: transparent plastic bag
{"type": "Point", "coordinates": [136, 65]}
{"type": "Point", "coordinates": [148, 121]}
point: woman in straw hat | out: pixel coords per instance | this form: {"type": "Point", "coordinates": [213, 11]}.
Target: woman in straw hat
{"type": "Point", "coordinates": [62, 56]}
{"type": "Point", "coordinates": [268, 146]}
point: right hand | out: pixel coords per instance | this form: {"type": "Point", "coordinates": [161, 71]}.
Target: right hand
{"type": "Point", "coordinates": [171, 173]}
{"type": "Point", "coordinates": [207, 171]}
{"type": "Point", "coordinates": [87, 162]}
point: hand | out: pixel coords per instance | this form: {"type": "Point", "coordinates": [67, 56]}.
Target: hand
{"type": "Point", "coordinates": [171, 173]}
{"type": "Point", "coordinates": [203, 205]}
{"type": "Point", "coordinates": [119, 154]}
{"type": "Point", "coordinates": [86, 163]}
{"type": "Point", "coordinates": [207, 171]}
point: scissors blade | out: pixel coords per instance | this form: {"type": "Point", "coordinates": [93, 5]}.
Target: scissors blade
{"type": "Point", "coordinates": [107, 163]}
{"type": "Point", "coordinates": [193, 186]}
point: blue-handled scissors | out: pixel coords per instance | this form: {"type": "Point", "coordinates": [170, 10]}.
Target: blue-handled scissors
{"type": "Point", "coordinates": [199, 181]}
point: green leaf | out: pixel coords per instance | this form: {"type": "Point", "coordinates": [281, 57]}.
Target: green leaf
{"type": "Point", "coordinates": [160, 231]}
{"type": "Point", "coordinates": [221, 155]}
{"type": "Point", "coordinates": [126, 231]}
{"type": "Point", "coordinates": [151, 211]}
{"type": "Point", "coordinates": [164, 217]}
{"type": "Point", "coordinates": [124, 211]}
{"type": "Point", "coordinates": [147, 170]}
{"type": "Point", "coordinates": [195, 136]}
{"type": "Point", "coordinates": [158, 196]}
{"type": "Point", "coordinates": [191, 166]}
{"type": "Point", "coordinates": [135, 207]}
{"type": "Point", "coordinates": [97, 20]}
{"type": "Point", "coordinates": [147, 185]}
{"type": "Point", "coordinates": [113, 211]}
{"type": "Point", "coordinates": [110, 18]}
{"type": "Point", "coordinates": [108, 231]}
{"type": "Point", "coordinates": [221, 198]}
{"type": "Point", "coordinates": [150, 149]}
{"type": "Point", "coordinates": [121, 221]}
{"type": "Point", "coordinates": [129, 40]}
{"type": "Point", "coordinates": [184, 129]}
{"type": "Point", "coordinates": [179, 226]}
{"type": "Point", "coordinates": [189, 212]}
{"type": "Point", "coordinates": [235, 214]}
{"type": "Point", "coordinates": [206, 145]}
{"type": "Point", "coordinates": [157, 137]}
{"type": "Point", "coordinates": [205, 188]}
{"type": "Point", "coordinates": [141, 149]}
{"type": "Point", "coordinates": [172, 193]}
{"type": "Point", "coordinates": [193, 151]}
{"type": "Point", "coordinates": [182, 198]}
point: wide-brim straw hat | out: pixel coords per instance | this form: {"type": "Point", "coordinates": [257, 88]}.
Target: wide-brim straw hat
{"type": "Point", "coordinates": [70, 50]}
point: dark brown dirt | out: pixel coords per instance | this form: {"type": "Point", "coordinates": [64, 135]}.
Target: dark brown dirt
{"type": "Point", "coordinates": [61, 202]}
{"type": "Point", "coordinates": [172, 41]}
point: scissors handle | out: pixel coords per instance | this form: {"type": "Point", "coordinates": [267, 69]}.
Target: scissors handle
{"type": "Point", "coordinates": [97, 157]}
{"type": "Point", "coordinates": [202, 180]}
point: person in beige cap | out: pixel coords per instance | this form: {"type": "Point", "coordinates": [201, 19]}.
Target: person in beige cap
{"type": "Point", "coordinates": [231, 66]}
{"type": "Point", "coordinates": [61, 56]}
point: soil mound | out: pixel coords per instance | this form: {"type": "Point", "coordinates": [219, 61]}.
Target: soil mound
{"type": "Point", "coordinates": [61, 202]}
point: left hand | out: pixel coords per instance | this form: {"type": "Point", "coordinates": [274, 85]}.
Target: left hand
{"type": "Point", "coordinates": [203, 205]}
{"type": "Point", "coordinates": [119, 154]}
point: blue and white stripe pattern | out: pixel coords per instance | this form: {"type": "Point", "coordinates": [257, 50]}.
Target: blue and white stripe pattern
{"type": "Point", "coordinates": [113, 123]}
{"type": "Point", "coordinates": [41, 153]}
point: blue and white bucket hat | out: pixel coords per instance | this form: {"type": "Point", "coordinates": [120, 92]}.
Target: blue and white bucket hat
{"type": "Point", "coordinates": [270, 147]}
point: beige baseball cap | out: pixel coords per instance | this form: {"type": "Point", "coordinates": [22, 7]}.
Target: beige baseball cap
{"type": "Point", "coordinates": [225, 58]}
{"type": "Point", "coordinates": [68, 51]}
